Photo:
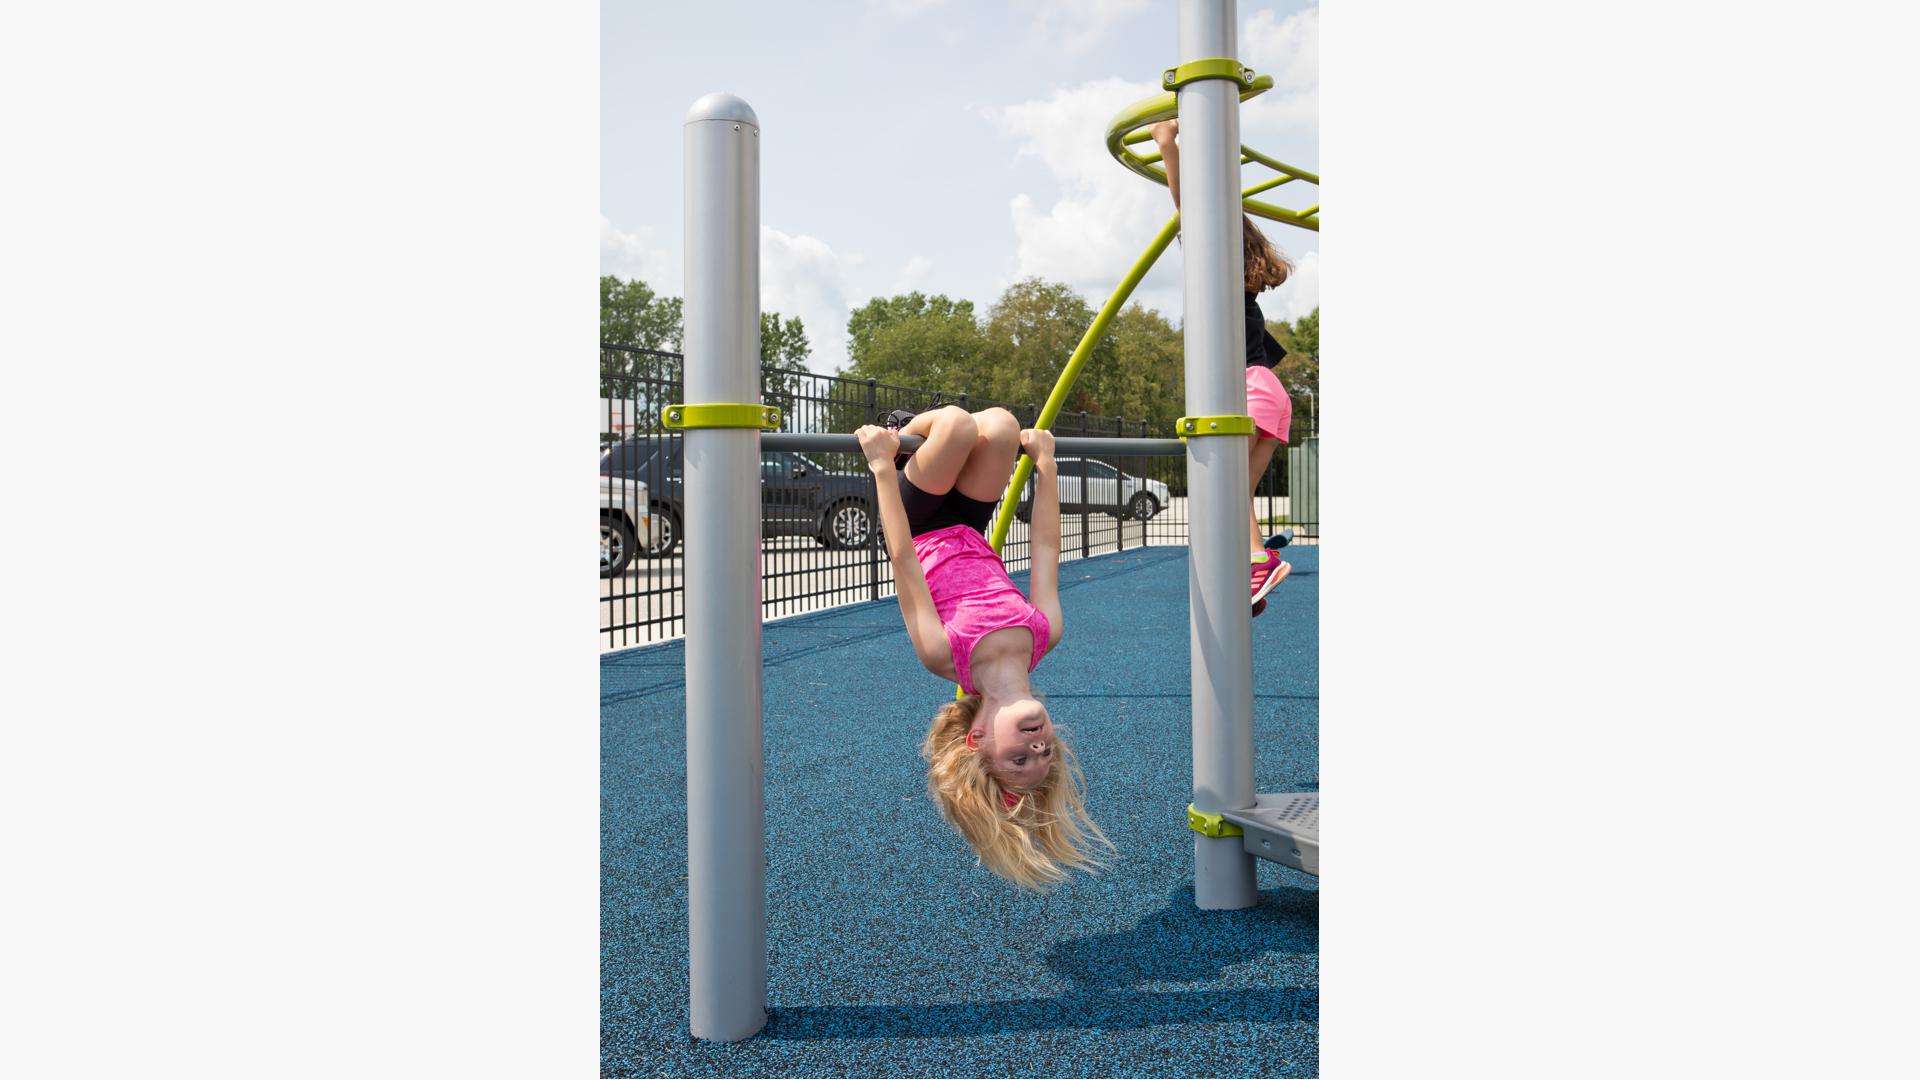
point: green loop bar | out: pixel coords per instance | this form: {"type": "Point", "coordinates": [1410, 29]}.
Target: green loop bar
{"type": "Point", "coordinates": [1130, 128]}
{"type": "Point", "coordinates": [1213, 425]}
{"type": "Point", "coordinates": [1217, 67]}
{"type": "Point", "coordinates": [1279, 166]}
{"type": "Point", "coordinates": [721, 415]}
{"type": "Point", "coordinates": [1211, 824]}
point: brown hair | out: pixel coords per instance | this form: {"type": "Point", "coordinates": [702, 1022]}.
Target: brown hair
{"type": "Point", "coordinates": [1266, 267]}
{"type": "Point", "coordinates": [1031, 843]}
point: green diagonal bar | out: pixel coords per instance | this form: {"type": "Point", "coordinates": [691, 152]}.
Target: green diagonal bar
{"type": "Point", "coordinates": [1024, 471]}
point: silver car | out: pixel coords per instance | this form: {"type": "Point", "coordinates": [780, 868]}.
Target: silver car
{"type": "Point", "coordinates": [625, 525]}
{"type": "Point", "coordinates": [1087, 484]}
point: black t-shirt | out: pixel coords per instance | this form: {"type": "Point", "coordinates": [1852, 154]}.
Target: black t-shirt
{"type": "Point", "coordinates": [1262, 349]}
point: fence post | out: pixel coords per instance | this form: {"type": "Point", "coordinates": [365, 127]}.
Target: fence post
{"type": "Point", "coordinates": [1119, 430]}
{"type": "Point", "coordinates": [1086, 495]}
{"type": "Point", "coordinates": [1303, 496]}
{"type": "Point", "coordinates": [873, 534]}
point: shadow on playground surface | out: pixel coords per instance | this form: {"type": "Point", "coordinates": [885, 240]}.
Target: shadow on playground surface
{"type": "Point", "coordinates": [890, 953]}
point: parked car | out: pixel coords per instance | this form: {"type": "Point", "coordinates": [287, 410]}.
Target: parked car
{"type": "Point", "coordinates": [625, 524]}
{"type": "Point", "coordinates": [1103, 489]}
{"type": "Point", "coordinates": [798, 495]}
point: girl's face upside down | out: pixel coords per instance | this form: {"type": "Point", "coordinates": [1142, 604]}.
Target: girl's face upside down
{"type": "Point", "coordinates": [1017, 741]}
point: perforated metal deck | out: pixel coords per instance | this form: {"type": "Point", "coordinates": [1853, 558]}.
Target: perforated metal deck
{"type": "Point", "coordinates": [1283, 828]}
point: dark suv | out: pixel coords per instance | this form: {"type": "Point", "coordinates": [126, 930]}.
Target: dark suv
{"type": "Point", "coordinates": [798, 497]}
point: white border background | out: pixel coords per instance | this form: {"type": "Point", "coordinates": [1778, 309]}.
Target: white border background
{"type": "Point", "coordinates": [300, 773]}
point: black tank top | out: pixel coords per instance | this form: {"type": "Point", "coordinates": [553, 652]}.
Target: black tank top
{"type": "Point", "coordinates": [1262, 349]}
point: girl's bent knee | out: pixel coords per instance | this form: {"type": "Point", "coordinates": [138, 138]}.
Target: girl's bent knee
{"type": "Point", "coordinates": [953, 416]}
{"type": "Point", "coordinates": [998, 425]}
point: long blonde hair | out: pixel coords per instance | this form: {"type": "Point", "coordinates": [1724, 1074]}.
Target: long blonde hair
{"type": "Point", "coordinates": [1266, 267]}
{"type": "Point", "coordinates": [1041, 836]}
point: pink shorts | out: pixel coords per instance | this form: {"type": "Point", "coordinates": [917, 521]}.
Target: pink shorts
{"type": "Point", "coordinates": [1268, 404]}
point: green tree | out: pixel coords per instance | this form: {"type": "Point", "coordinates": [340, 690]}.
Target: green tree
{"type": "Point", "coordinates": [1147, 375]}
{"type": "Point", "coordinates": [1307, 333]}
{"type": "Point", "coordinates": [882, 312]}
{"type": "Point", "coordinates": [783, 343]}
{"type": "Point", "coordinates": [1302, 339]}
{"type": "Point", "coordinates": [1031, 332]}
{"type": "Point", "coordinates": [917, 340]}
{"type": "Point", "coordinates": [1300, 371]}
{"type": "Point", "coordinates": [632, 314]}
{"type": "Point", "coordinates": [783, 359]}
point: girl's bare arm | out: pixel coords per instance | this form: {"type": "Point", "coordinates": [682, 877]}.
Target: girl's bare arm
{"type": "Point", "coordinates": [1163, 137]}
{"type": "Point", "coordinates": [1043, 578]}
{"type": "Point", "coordinates": [909, 581]}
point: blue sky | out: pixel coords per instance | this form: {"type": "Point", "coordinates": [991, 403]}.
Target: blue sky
{"type": "Point", "coordinates": [951, 146]}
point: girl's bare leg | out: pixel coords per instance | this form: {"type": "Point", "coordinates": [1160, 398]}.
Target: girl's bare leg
{"type": "Point", "coordinates": [1259, 456]}
{"type": "Point", "coordinates": [951, 436]}
{"type": "Point", "coordinates": [984, 477]}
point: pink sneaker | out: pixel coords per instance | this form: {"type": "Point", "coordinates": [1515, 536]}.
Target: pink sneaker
{"type": "Point", "coordinates": [1268, 574]}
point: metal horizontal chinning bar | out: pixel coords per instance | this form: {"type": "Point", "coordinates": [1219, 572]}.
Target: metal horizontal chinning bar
{"type": "Point", "coordinates": [830, 442]}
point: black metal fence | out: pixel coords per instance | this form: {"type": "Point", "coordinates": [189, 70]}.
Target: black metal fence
{"type": "Point", "coordinates": [821, 545]}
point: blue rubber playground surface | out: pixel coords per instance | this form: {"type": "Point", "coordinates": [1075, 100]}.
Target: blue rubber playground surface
{"type": "Point", "coordinates": [889, 951]}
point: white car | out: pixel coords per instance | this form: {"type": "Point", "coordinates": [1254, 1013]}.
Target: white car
{"type": "Point", "coordinates": [624, 523]}
{"type": "Point", "coordinates": [1097, 486]}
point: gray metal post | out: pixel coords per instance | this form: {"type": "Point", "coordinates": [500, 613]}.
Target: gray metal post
{"type": "Point", "coordinates": [1221, 636]}
{"type": "Point", "coordinates": [726, 814]}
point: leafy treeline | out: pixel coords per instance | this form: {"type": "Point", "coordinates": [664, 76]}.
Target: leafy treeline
{"type": "Point", "coordinates": [1014, 353]}
{"type": "Point", "coordinates": [631, 313]}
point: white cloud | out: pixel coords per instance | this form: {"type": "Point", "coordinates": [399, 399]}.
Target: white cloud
{"type": "Point", "coordinates": [1300, 295]}
{"type": "Point", "coordinates": [911, 275]}
{"type": "Point", "coordinates": [904, 9]}
{"type": "Point", "coordinates": [1104, 215]}
{"type": "Point", "coordinates": [803, 277]}
{"type": "Point", "coordinates": [636, 255]}
{"type": "Point", "coordinates": [1289, 50]}
{"type": "Point", "coordinates": [1074, 26]}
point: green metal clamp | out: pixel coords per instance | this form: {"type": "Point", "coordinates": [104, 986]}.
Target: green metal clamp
{"type": "Point", "coordinates": [1213, 425]}
{"type": "Point", "coordinates": [1211, 824]}
{"type": "Point", "coordinates": [721, 415]}
{"type": "Point", "coordinates": [1218, 67]}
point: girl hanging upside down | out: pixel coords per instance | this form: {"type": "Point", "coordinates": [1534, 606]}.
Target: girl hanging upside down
{"type": "Point", "coordinates": [996, 767]}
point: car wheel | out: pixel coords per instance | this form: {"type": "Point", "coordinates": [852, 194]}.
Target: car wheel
{"type": "Point", "coordinates": [616, 544]}
{"type": "Point", "coordinates": [666, 531]}
{"type": "Point", "coordinates": [1143, 506]}
{"type": "Point", "coordinates": [848, 524]}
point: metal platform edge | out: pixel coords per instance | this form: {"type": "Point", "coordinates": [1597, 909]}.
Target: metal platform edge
{"type": "Point", "coordinates": [1282, 828]}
